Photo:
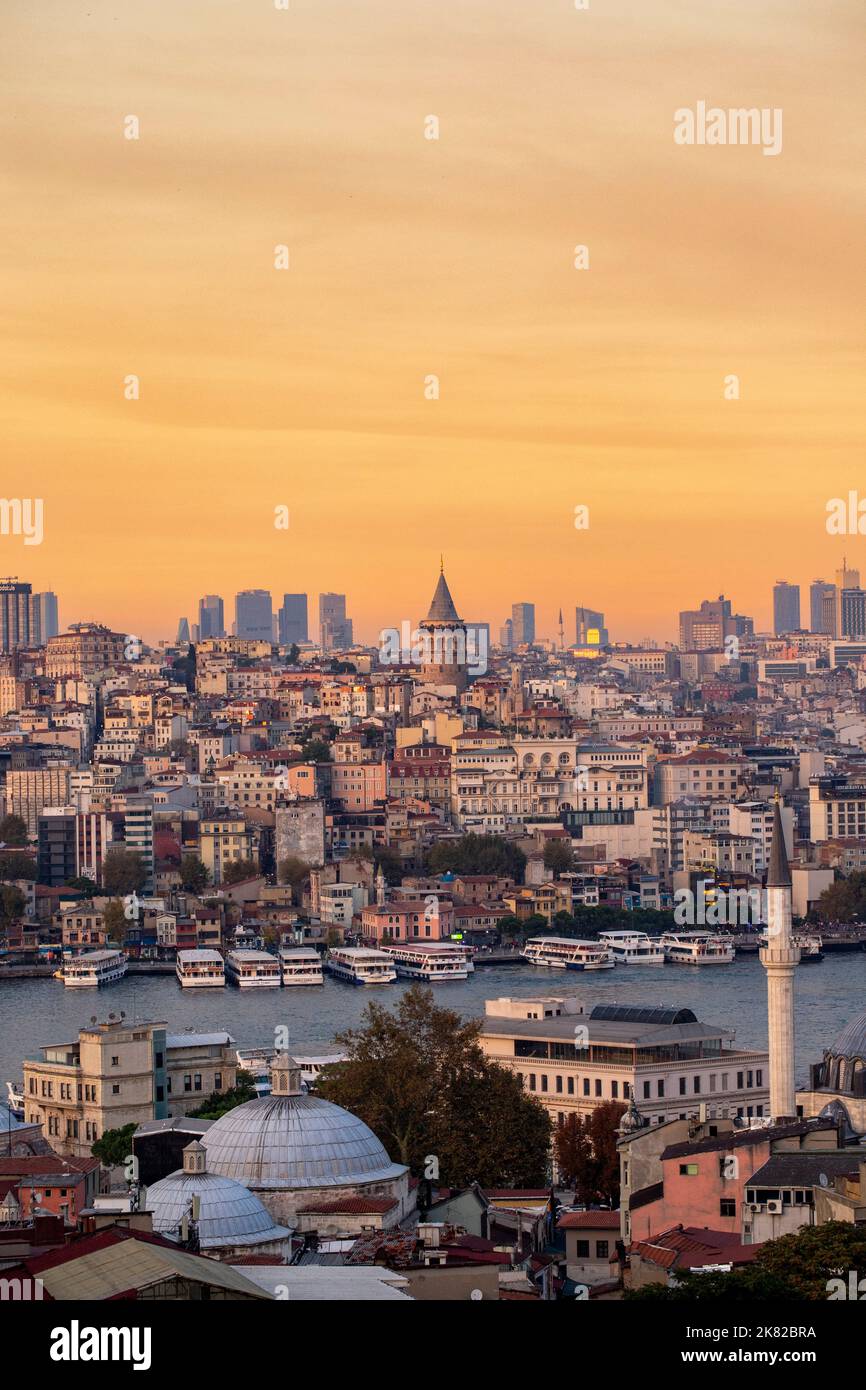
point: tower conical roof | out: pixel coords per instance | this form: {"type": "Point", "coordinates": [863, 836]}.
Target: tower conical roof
{"type": "Point", "coordinates": [778, 873]}
{"type": "Point", "coordinates": [442, 608]}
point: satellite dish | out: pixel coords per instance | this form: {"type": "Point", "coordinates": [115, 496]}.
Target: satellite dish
{"type": "Point", "coordinates": [93, 1018]}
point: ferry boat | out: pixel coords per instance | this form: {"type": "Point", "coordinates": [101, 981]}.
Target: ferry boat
{"type": "Point", "coordinates": [93, 968]}
{"type": "Point", "coordinates": [301, 965]}
{"type": "Point", "coordinates": [253, 969]}
{"type": "Point", "coordinates": [811, 947]}
{"type": "Point", "coordinates": [431, 961]}
{"type": "Point", "coordinates": [697, 948]}
{"type": "Point", "coordinates": [361, 965]}
{"type": "Point", "coordinates": [200, 968]}
{"type": "Point", "coordinates": [567, 953]}
{"type": "Point", "coordinates": [632, 947]}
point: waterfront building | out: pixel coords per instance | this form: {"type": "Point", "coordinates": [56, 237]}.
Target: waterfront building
{"type": "Point", "coordinates": [663, 1057]}
{"type": "Point", "coordinates": [118, 1073]}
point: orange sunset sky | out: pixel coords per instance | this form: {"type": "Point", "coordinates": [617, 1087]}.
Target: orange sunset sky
{"type": "Point", "coordinates": [412, 257]}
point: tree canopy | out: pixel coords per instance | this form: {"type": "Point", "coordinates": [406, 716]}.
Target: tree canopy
{"type": "Point", "coordinates": [13, 830]}
{"type": "Point", "coordinates": [194, 874]}
{"type": "Point", "coordinates": [586, 1154]}
{"type": "Point", "coordinates": [477, 854]}
{"type": "Point", "coordinates": [417, 1076]}
{"type": "Point", "coordinates": [123, 871]}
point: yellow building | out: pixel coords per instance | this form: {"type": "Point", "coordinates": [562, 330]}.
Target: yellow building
{"type": "Point", "coordinates": [224, 839]}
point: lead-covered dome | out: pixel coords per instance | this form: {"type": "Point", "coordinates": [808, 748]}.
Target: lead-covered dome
{"type": "Point", "coordinates": [288, 1140]}
{"type": "Point", "coordinates": [851, 1042]}
{"type": "Point", "coordinates": [229, 1215]}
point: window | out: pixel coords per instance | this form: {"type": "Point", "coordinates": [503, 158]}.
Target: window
{"type": "Point", "coordinates": [544, 1081]}
{"type": "Point", "coordinates": [570, 1085]}
{"type": "Point", "coordinates": [586, 1085]}
{"type": "Point", "coordinates": [601, 1249]}
{"type": "Point", "coordinates": [696, 1082]}
{"type": "Point", "coordinates": [198, 1081]}
{"type": "Point", "coordinates": [598, 1088]}
{"type": "Point", "coordinates": [727, 1207]}
{"type": "Point", "coordinates": [115, 1061]}
{"type": "Point", "coordinates": [614, 1090]}
{"type": "Point", "coordinates": [187, 1082]}
{"type": "Point", "coordinates": [688, 1170]}
{"type": "Point", "coordinates": [682, 1085]}
{"type": "Point", "coordinates": [115, 1090]}
{"type": "Point", "coordinates": [559, 1085]}
{"type": "Point", "coordinates": [582, 1249]}
{"type": "Point", "coordinates": [661, 1090]}
{"type": "Point", "coordinates": [646, 1090]}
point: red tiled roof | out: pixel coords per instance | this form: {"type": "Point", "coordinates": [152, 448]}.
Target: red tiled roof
{"type": "Point", "coordinates": [690, 1247]}
{"type": "Point", "coordinates": [589, 1221]}
{"type": "Point", "coordinates": [353, 1206]}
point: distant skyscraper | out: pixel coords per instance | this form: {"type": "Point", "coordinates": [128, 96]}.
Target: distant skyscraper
{"type": "Point", "coordinates": [705, 628]}
{"type": "Point", "coordinates": [293, 619]}
{"type": "Point", "coordinates": [44, 620]}
{"type": "Point", "coordinates": [589, 628]}
{"type": "Point", "coordinates": [254, 616]}
{"type": "Point", "coordinates": [506, 635]}
{"type": "Point", "coordinates": [818, 590]}
{"type": "Point", "coordinates": [15, 602]}
{"type": "Point", "coordinates": [211, 618]}
{"type": "Point", "coordinates": [523, 623]}
{"type": "Point", "coordinates": [335, 629]}
{"type": "Point", "coordinates": [786, 607]}
{"type": "Point", "coordinates": [853, 613]}
{"type": "Point", "coordinates": [183, 632]}
{"type": "Point", "coordinates": [845, 579]}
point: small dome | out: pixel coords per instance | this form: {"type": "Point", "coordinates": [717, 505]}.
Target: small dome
{"type": "Point", "coordinates": [632, 1120]}
{"type": "Point", "coordinates": [837, 1111]}
{"type": "Point", "coordinates": [229, 1214]}
{"type": "Point", "coordinates": [296, 1141]}
{"type": "Point", "coordinates": [851, 1042]}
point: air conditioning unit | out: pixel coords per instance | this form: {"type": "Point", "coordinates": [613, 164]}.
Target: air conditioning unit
{"type": "Point", "coordinates": [753, 1206]}
{"type": "Point", "coordinates": [774, 1208]}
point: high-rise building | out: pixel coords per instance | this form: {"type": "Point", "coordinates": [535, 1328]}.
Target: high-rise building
{"type": "Point", "coordinates": [211, 618]}
{"type": "Point", "coordinates": [182, 632]}
{"type": "Point", "coordinates": [589, 628]}
{"type": "Point", "coordinates": [254, 615]}
{"type": "Point", "coordinates": [786, 607]}
{"type": "Point", "coordinates": [705, 628]}
{"type": "Point", "coordinates": [293, 619]}
{"type": "Point", "coordinates": [335, 629]}
{"type": "Point", "coordinates": [852, 606]}
{"type": "Point", "coordinates": [819, 591]}
{"type": "Point", "coordinates": [15, 603]}
{"type": "Point", "coordinates": [506, 635]}
{"type": "Point", "coordinates": [845, 579]}
{"type": "Point", "coordinates": [44, 621]}
{"type": "Point", "coordinates": [523, 623]}
{"type": "Point", "coordinates": [138, 832]}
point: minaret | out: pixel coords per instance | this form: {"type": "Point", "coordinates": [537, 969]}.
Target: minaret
{"type": "Point", "coordinates": [381, 888]}
{"type": "Point", "coordinates": [779, 958]}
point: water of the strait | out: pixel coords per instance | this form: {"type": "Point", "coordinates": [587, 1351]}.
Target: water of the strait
{"type": "Point", "coordinates": [34, 1013]}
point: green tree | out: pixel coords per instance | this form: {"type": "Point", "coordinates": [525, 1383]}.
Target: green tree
{"type": "Point", "coordinates": [14, 866]}
{"type": "Point", "coordinates": [114, 920]}
{"type": "Point", "coordinates": [238, 870]}
{"type": "Point", "coordinates": [220, 1102]}
{"type": "Point", "coordinates": [194, 875]}
{"type": "Point", "coordinates": [316, 751]}
{"type": "Point", "coordinates": [13, 830]}
{"type": "Point", "coordinates": [12, 905]}
{"type": "Point", "coordinates": [417, 1076]}
{"type": "Point", "coordinates": [558, 856]}
{"type": "Point", "coordinates": [82, 884]}
{"type": "Point", "coordinates": [114, 1147]}
{"type": "Point", "coordinates": [586, 1154]}
{"type": "Point", "coordinates": [123, 871]}
{"type": "Point", "coordinates": [477, 854]}
{"type": "Point", "coordinates": [293, 871]}
{"type": "Point", "coordinates": [844, 900]}
{"type": "Point", "coordinates": [293, 654]}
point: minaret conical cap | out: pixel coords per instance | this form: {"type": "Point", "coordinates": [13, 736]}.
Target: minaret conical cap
{"type": "Point", "coordinates": [442, 608]}
{"type": "Point", "coordinates": [778, 873]}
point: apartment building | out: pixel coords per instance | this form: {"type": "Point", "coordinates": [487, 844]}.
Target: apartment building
{"type": "Point", "coordinates": [118, 1073]}
{"type": "Point", "coordinates": [664, 1058]}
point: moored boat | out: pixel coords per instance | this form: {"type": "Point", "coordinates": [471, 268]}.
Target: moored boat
{"type": "Point", "coordinates": [567, 953]}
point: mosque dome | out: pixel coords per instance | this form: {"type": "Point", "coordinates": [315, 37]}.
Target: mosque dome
{"type": "Point", "coordinates": [837, 1111]}
{"type": "Point", "coordinates": [851, 1042]}
{"type": "Point", "coordinates": [289, 1141]}
{"type": "Point", "coordinates": [229, 1214]}
{"type": "Point", "coordinates": [631, 1120]}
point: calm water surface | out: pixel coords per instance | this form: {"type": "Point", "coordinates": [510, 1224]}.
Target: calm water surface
{"type": "Point", "coordinates": [36, 1012]}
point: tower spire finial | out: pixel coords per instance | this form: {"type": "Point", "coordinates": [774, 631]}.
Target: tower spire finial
{"type": "Point", "coordinates": [441, 563]}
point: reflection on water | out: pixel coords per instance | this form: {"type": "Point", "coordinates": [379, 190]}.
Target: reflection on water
{"type": "Point", "coordinates": [36, 1012]}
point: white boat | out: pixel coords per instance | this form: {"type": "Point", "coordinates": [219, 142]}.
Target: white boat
{"type": "Point", "coordinates": [253, 969]}
{"type": "Point", "coordinates": [361, 965]}
{"type": "Point", "coordinates": [632, 947]}
{"type": "Point", "coordinates": [697, 948]}
{"type": "Point", "coordinates": [301, 965]}
{"type": "Point", "coordinates": [93, 968]}
{"type": "Point", "coordinates": [567, 953]}
{"type": "Point", "coordinates": [431, 961]}
{"type": "Point", "coordinates": [200, 968]}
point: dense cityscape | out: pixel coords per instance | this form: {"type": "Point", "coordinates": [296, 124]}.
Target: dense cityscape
{"type": "Point", "coordinates": [279, 808]}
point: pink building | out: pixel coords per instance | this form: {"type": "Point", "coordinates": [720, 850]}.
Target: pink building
{"type": "Point", "coordinates": [359, 786]}
{"type": "Point", "coordinates": [416, 920]}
